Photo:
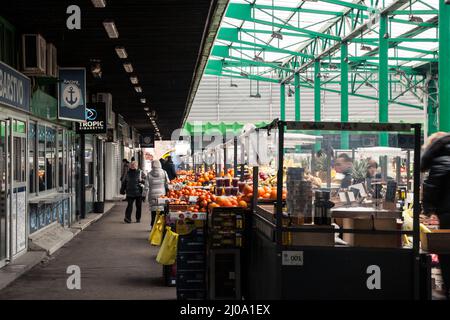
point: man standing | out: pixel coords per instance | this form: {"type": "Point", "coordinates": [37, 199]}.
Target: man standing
{"type": "Point", "coordinates": [125, 166]}
{"type": "Point", "coordinates": [169, 167]}
{"type": "Point", "coordinates": [436, 190]}
{"type": "Point", "coordinates": [135, 190]}
{"type": "Point", "coordinates": [344, 165]}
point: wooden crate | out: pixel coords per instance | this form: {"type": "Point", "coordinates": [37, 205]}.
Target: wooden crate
{"type": "Point", "coordinates": [437, 241]}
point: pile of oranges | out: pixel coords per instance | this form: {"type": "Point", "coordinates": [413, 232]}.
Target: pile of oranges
{"type": "Point", "coordinates": [205, 199]}
{"type": "Point", "coordinates": [265, 192]}
{"type": "Point", "coordinates": [206, 177]}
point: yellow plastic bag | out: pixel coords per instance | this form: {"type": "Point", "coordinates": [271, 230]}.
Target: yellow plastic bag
{"type": "Point", "coordinates": [156, 234]}
{"type": "Point", "coordinates": [168, 252]}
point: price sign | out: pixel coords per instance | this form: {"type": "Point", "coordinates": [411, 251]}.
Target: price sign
{"type": "Point", "coordinates": [193, 199]}
{"type": "Point", "coordinates": [162, 200]}
{"type": "Point", "coordinates": [292, 258]}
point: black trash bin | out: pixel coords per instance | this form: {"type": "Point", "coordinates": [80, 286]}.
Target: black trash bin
{"type": "Point", "coordinates": [99, 207]}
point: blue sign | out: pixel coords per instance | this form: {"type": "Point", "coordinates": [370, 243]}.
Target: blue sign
{"type": "Point", "coordinates": [72, 94]}
{"type": "Point", "coordinates": [15, 88]}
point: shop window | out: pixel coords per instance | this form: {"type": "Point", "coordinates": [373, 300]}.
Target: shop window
{"type": "Point", "coordinates": [41, 158]}
{"type": "Point", "coordinates": [89, 161]}
{"type": "Point", "coordinates": [19, 159]}
{"type": "Point", "coordinates": [60, 176]}
{"type": "Point", "coordinates": [50, 162]}
{"type": "Point", "coordinates": [32, 156]}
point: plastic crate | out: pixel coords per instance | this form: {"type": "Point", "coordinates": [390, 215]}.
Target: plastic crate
{"type": "Point", "coordinates": [191, 260]}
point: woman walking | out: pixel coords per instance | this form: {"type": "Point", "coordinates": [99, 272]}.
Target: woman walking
{"type": "Point", "coordinates": [135, 184]}
{"type": "Point", "coordinates": [156, 183]}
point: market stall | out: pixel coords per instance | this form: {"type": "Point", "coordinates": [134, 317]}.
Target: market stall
{"type": "Point", "coordinates": [323, 243]}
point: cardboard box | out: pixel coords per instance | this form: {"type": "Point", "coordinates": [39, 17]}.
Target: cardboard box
{"type": "Point", "coordinates": [372, 240]}
{"type": "Point", "coordinates": [437, 241]}
{"type": "Point", "coordinates": [303, 238]}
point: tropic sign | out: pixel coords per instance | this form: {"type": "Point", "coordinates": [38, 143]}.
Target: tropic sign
{"type": "Point", "coordinates": [95, 119]}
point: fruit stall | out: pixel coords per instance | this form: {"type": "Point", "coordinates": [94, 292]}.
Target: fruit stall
{"type": "Point", "coordinates": [318, 241]}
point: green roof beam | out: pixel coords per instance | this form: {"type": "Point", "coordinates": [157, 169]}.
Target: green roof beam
{"type": "Point", "coordinates": [419, 24]}
{"type": "Point", "coordinates": [301, 10]}
{"type": "Point", "coordinates": [413, 40]}
{"type": "Point", "coordinates": [414, 12]}
{"type": "Point", "coordinates": [243, 12]}
{"type": "Point", "coordinates": [232, 35]}
{"type": "Point", "coordinates": [350, 5]}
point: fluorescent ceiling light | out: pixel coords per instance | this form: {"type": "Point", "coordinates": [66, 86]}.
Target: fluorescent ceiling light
{"type": "Point", "coordinates": [121, 52]}
{"type": "Point", "coordinates": [138, 89]}
{"type": "Point", "coordinates": [128, 67]}
{"type": "Point", "coordinates": [143, 100]}
{"type": "Point", "coordinates": [111, 29]}
{"type": "Point", "coordinates": [134, 80]}
{"type": "Point", "coordinates": [99, 3]}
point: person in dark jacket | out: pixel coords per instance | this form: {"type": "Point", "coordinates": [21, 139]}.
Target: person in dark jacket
{"type": "Point", "coordinates": [344, 165]}
{"type": "Point", "coordinates": [169, 167]}
{"type": "Point", "coordinates": [372, 175]}
{"type": "Point", "coordinates": [135, 184]}
{"type": "Point", "coordinates": [436, 190]}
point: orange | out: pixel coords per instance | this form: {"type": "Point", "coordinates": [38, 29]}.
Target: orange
{"type": "Point", "coordinates": [242, 204]}
{"type": "Point", "coordinates": [273, 194]}
{"type": "Point", "coordinates": [261, 192]}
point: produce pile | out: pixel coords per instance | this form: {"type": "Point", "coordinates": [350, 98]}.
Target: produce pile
{"type": "Point", "coordinates": [264, 192]}
{"type": "Point", "coordinates": [205, 199]}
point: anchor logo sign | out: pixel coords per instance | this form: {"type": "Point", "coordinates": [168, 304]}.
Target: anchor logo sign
{"type": "Point", "coordinates": [72, 96]}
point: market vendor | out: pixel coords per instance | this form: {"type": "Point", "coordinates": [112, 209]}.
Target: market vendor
{"type": "Point", "coordinates": [372, 174]}
{"type": "Point", "coordinates": [344, 165]}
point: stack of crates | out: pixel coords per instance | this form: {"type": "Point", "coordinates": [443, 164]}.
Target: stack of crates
{"type": "Point", "coordinates": [191, 263]}
{"type": "Point", "coordinates": [226, 239]}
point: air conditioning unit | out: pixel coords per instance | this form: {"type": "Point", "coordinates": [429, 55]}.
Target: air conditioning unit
{"type": "Point", "coordinates": [107, 99]}
{"type": "Point", "coordinates": [52, 63]}
{"type": "Point", "coordinates": [34, 54]}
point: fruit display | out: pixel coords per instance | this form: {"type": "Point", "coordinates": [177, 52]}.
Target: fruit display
{"type": "Point", "coordinates": [264, 192]}
{"type": "Point", "coordinates": [205, 177]}
{"type": "Point", "coordinates": [205, 199]}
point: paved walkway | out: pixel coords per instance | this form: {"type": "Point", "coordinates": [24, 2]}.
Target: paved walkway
{"type": "Point", "coordinates": [115, 259]}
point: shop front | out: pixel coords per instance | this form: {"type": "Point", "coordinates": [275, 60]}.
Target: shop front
{"type": "Point", "coordinates": [51, 163]}
{"type": "Point", "coordinates": [37, 162]}
{"type": "Point", "coordinates": [92, 147]}
{"type": "Point", "coordinates": [14, 106]}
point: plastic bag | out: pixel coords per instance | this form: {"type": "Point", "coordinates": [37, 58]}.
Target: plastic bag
{"type": "Point", "coordinates": [156, 234]}
{"type": "Point", "coordinates": [168, 252]}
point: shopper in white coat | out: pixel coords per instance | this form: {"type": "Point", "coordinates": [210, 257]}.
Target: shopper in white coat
{"type": "Point", "coordinates": [156, 184]}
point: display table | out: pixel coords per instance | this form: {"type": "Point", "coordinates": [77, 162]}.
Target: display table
{"type": "Point", "coordinates": [364, 213]}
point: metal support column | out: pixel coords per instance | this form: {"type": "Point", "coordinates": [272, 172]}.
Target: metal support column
{"type": "Point", "coordinates": [383, 78]}
{"type": "Point", "coordinates": [344, 93]}
{"type": "Point", "coordinates": [432, 108]}
{"type": "Point", "coordinates": [317, 98]}
{"type": "Point", "coordinates": [282, 102]}
{"type": "Point", "coordinates": [235, 161]}
{"type": "Point", "coordinates": [297, 96]}
{"type": "Point", "coordinates": [444, 66]}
